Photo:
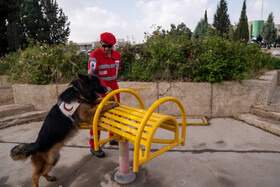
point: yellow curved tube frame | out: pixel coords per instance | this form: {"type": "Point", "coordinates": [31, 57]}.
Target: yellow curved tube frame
{"type": "Point", "coordinates": [137, 160]}
{"type": "Point", "coordinates": [101, 105]}
{"type": "Point", "coordinates": [139, 156]}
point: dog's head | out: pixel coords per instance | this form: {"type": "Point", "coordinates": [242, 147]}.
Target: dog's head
{"type": "Point", "coordinates": [90, 85]}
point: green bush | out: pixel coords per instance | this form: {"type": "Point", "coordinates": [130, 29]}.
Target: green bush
{"type": "Point", "coordinates": [42, 64]}
{"type": "Point", "coordinates": [258, 61]}
{"type": "Point", "coordinates": [167, 58]}
{"type": "Point", "coordinates": [134, 62]}
{"type": "Point", "coordinates": [275, 63]}
{"type": "Point", "coordinates": [214, 59]}
{"type": "Point", "coordinates": [221, 59]}
{"type": "Point", "coordinates": [162, 57]}
{"type": "Point", "coordinates": [4, 63]}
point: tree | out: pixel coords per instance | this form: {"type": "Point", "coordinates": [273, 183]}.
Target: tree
{"type": "Point", "coordinates": [9, 12]}
{"type": "Point", "coordinates": [181, 31]}
{"type": "Point", "coordinates": [269, 31]}
{"type": "Point", "coordinates": [231, 32]}
{"type": "Point", "coordinates": [14, 35]}
{"type": "Point", "coordinates": [71, 48]}
{"type": "Point", "coordinates": [205, 16]}
{"type": "Point", "coordinates": [34, 20]}
{"type": "Point", "coordinates": [57, 26]}
{"type": "Point", "coordinates": [221, 18]}
{"type": "Point", "coordinates": [201, 28]}
{"type": "Point", "coordinates": [178, 33]}
{"type": "Point", "coordinates": [40, 20]}
{"type": "Point", "coordinates": [242, 30]}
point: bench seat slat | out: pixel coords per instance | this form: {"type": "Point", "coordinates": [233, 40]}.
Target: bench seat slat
{"type": "Point", "coordinates": [124, 128]}
{"type": "Point", "coordinates": [125, 121]}
{"type": "Point", "coordinates": [154, 116]}
{"type": "Point", "coordinates": [126, 113]}
{"type": "Point", "coordinates": [138, 113]}
{"type": "Point", "coordinates": [128, 136]}
{"type": "Point", "coordinates": [138, 117]}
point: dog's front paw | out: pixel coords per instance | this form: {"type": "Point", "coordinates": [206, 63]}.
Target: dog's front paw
{"type": "Point", "coordinates": [113, 105]}
{"type": "Point", "coordinates": [109, 107]}
{"type": "Point", "coordinates": [51, 178]}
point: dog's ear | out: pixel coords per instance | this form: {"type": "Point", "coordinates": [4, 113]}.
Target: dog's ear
{"type": "Point", "coordinates": [83, 77]}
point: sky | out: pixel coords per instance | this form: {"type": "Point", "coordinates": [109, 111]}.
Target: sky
{"type": "Point", "coordinates": [130, 19]}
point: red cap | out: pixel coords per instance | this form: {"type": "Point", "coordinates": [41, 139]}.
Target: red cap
{"type": "Point", "coordinates": [108, 38]}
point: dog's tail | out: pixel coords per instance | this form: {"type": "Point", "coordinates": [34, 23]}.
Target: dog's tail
{"type": "Point", "coordinates": [22, 151]}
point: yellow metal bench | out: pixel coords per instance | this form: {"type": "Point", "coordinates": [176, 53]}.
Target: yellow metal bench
{"type": "Point", "coordinates": [138, 126]}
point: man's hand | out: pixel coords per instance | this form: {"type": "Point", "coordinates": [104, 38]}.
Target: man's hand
{"type": "Point", "coordinates": [109, 90]}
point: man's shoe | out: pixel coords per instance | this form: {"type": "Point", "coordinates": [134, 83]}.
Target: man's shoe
{"type": "Point", "coordinates": [114, 142]}
{"type": "Point", "coordinates": [99, 153]}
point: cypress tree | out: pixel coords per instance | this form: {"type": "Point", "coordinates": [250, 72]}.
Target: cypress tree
{"type": "Point", "coordinates": [269, 31]}
{"type": "Point", "coordinates": [242, 30]}
{"type": "Point", "coordinates": [221, 18]}
{"type": "Point", "coordinates": [231, 33]}
{"type": "Point", "coordinates": [201, 28]}
{"type": "Point", "coordinates": [205, 16]}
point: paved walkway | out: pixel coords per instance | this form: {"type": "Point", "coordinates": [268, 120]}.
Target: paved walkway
{"type": "Point", "coordinates": [225, 153]}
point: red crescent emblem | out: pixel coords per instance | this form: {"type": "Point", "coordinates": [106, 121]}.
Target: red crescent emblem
{"type": "Point", "coordinates": [67, 109]}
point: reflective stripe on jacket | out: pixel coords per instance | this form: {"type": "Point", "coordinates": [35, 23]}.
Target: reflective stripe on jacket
{"type": "Point", "coordinates": [107, 68]}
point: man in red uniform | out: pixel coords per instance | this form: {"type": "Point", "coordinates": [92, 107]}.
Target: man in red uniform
{"type": "Point", "coordinates": [105, 63]}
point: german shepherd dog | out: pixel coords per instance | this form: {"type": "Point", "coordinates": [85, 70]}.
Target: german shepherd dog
{"type": "Point", "coordinates": [58, 128]}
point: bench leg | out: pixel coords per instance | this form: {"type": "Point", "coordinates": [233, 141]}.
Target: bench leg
{"type": "Point", "coordinates": [124, 175]}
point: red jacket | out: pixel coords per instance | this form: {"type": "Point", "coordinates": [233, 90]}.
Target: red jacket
{"type": "Point", "coordinates": [107, 68]}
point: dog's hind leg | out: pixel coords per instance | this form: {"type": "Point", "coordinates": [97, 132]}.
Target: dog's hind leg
{"type": "Point", "coordinates": [54, 157]}
{"type": "Point", "coordinates": [41, 167]}
{"type": "Point", "coordinates": [43, 172]}
{"type": "Point", "coordinates": [47, 168]}
{"type": "Point", "coordinates": [35, 179]}
{"type": "Point", "coordinates": [48, 177]}
{"type": "Point", "coordinates": [37, 167]}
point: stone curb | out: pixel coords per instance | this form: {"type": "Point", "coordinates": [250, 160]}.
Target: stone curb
{"type": "Point", "coordinates": [260, 122]}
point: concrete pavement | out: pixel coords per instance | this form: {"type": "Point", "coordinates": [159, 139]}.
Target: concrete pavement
{"type": "Point", "coordinates": [225, 153]}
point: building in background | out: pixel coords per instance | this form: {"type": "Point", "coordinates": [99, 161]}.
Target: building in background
{"type": "Point", "coordinates": [255, 28]}
{"type": "Point", "coordinates": [277, 26]}
{"type": "Point", "coordinates": [87, 47]}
